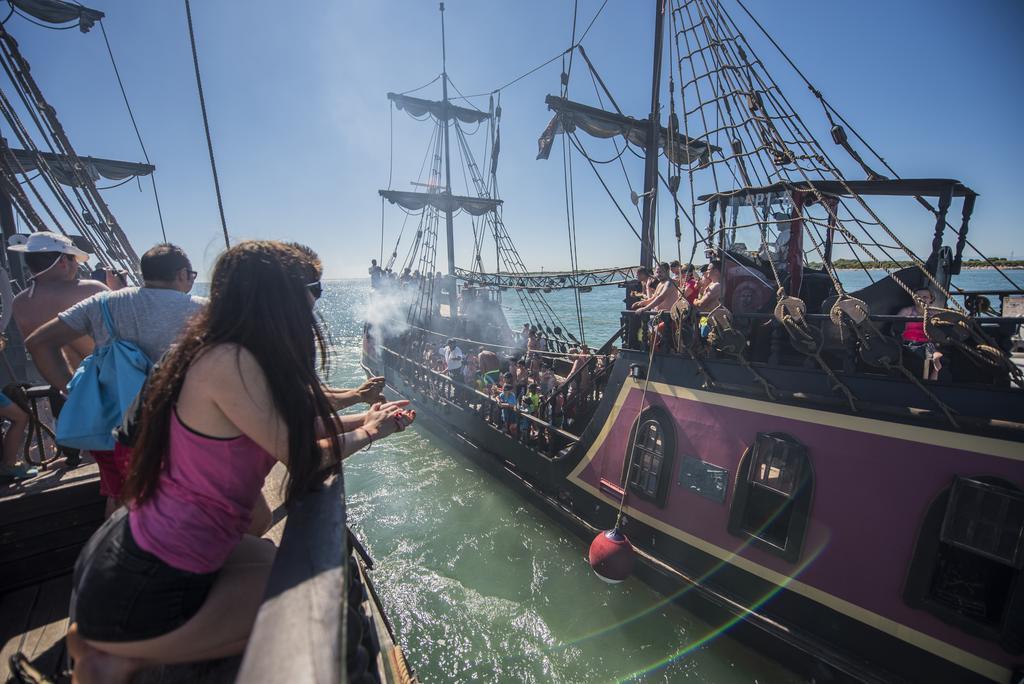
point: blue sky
(296, 98)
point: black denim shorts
(124, 593)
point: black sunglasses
(315, 289)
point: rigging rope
(206, 124)
(106, 235)
(570, 219)
(428, 83)
(636, 436)
(516, 79)
(830, 108)
(131, 115)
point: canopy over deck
(904, 187)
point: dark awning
(59, 12)
(418, 107)
(602, 124)
(414, 201)
(904, 187)
(63, 168)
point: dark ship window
(773, 495)
(986, 520)
(652, 444)
(967, 566)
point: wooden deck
(33, 620)
(45, 521)
(43, 524)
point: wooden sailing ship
(792, 469)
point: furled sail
(571, 115)
(59, 12)
(414, 201)
(63, 168)
(435, 108)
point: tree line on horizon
(1001, 262)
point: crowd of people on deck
(660, 292)
(673, 282)
(513, 384)
(676, 287)
(231, 385)
(382, 278)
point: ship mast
(450, 232)
(650, 195)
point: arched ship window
(772, 496)
(968, 565)
(652, 444)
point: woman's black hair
(259, 302)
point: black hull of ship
(801, 633)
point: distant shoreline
(1001, 267)
(1012, 266)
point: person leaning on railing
(173, 578)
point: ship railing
(637, 334)
(582, 390)
(320, 619)
(442, 388)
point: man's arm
(369, 392)
(45, 347)
(646, 302)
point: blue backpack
(101, 390)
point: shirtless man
(489, 367)
(54, 262)
(583, 380)
(665, 293)
(644, 282)
(711, 289)
(710, 296)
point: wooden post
(945, 199)
(650, 196)
(14, 354)
(965, 219)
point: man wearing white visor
(53, 261)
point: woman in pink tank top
(174, 577)
(914, 336)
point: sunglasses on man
(315, 289)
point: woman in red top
(690, 286)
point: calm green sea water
(484, 588)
